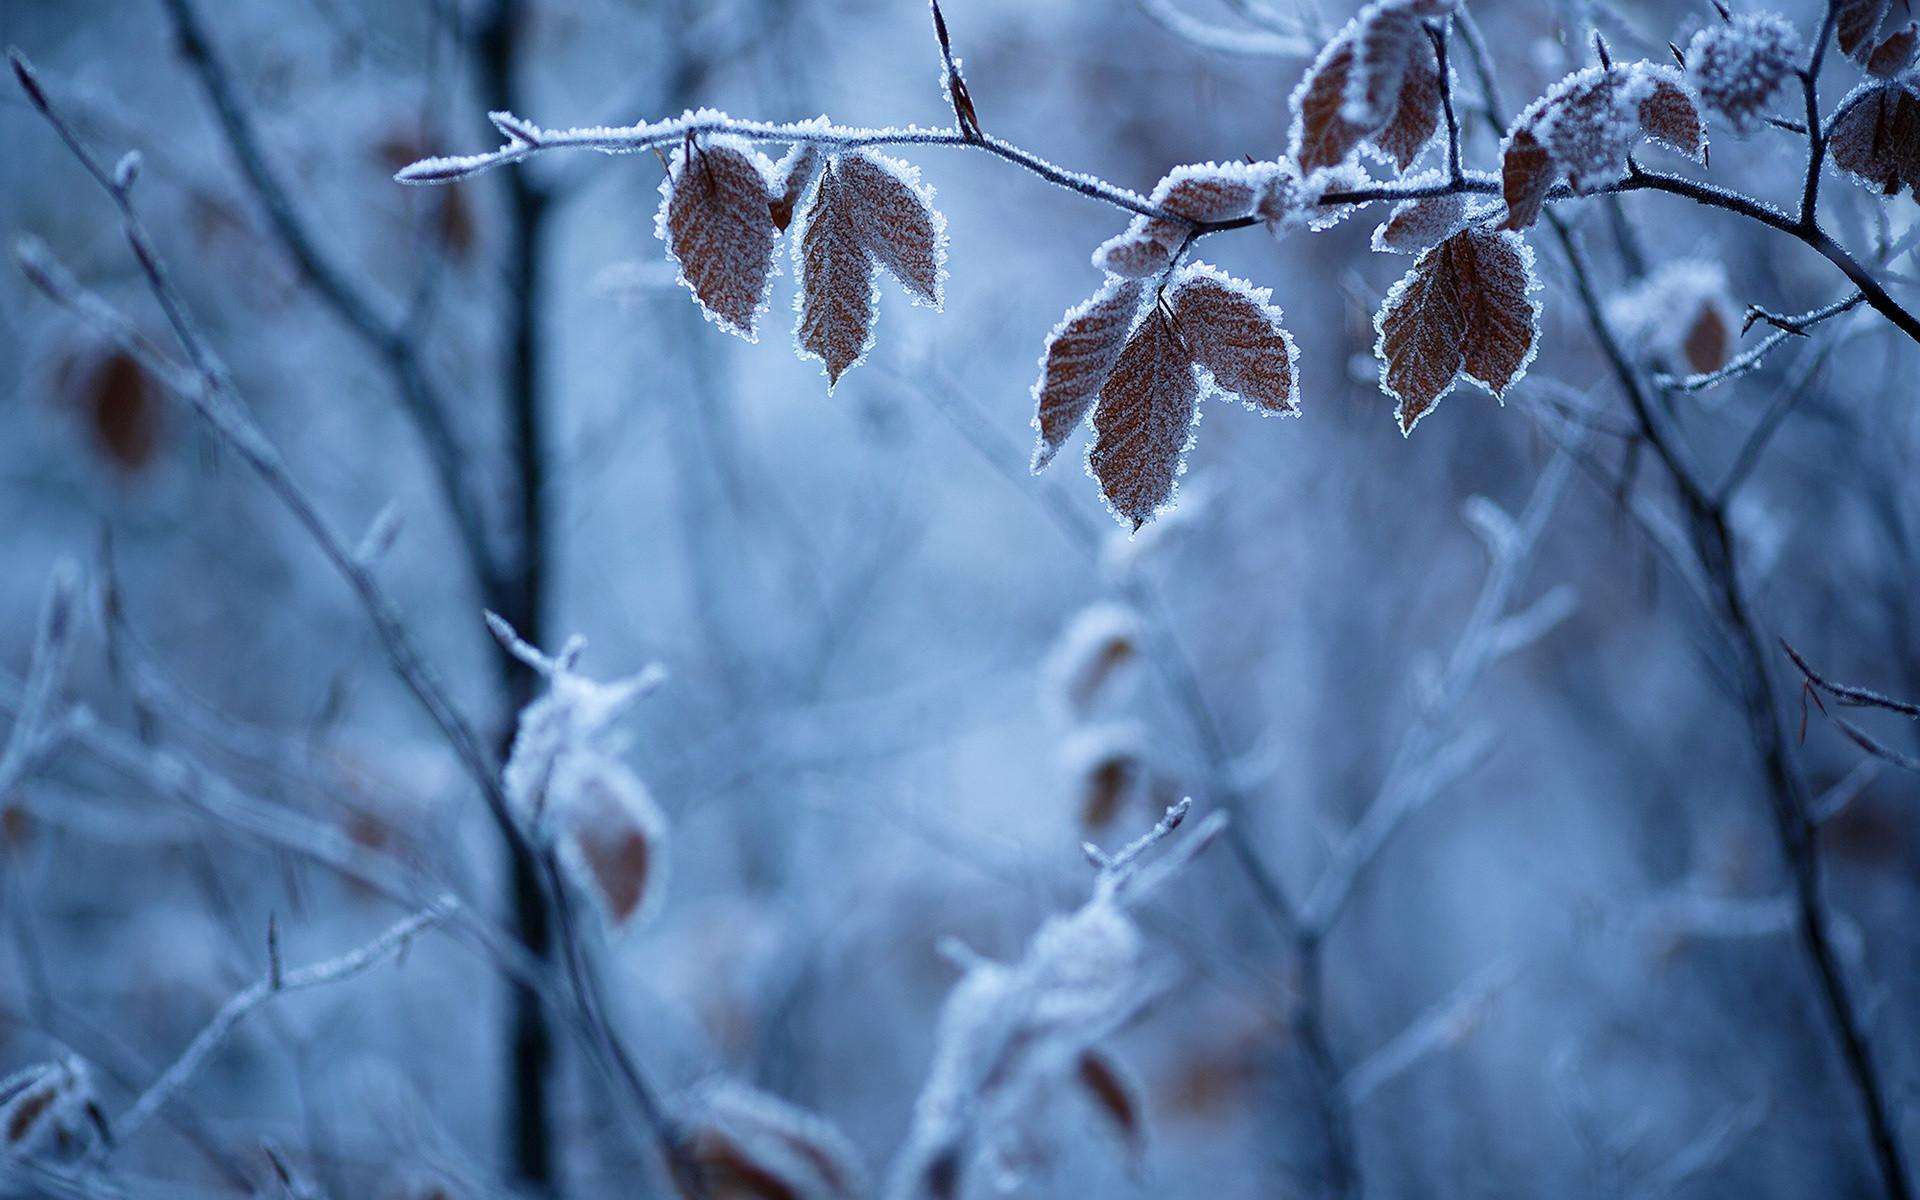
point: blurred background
(908, 679)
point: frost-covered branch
(277, 982)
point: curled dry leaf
(1466, 308)
(755, 1146)
(1091, 658)
(1207, 191)
(795, 174)
(612, 834)
(1582, 129)
(1877, 138)
(1115, 1095)
(1144, 248)
(1236, 337)
(1855, 22)
(1376, 82)
(1143, 423)
(1895, 53)
(48, 1111)
(868, 211)
(1682, 317)
(1416, 224)
(1079, 353)
(715, 220)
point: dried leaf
(1416, 224)
(114, 397)
(1145, 248)
(838, 290)
(1080, 352)
(1207, 191)
(1895, 54)
(1115, 1095)
(715, 219)
(1877, 138)
(1236, 336)
(612, 834)
(1855, 22)
(796, 173)
(1584, 126)
(895, 221)
(1377, 82)
(1466, 308)
(753, 1144)
(1144, 421)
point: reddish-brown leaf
(894, 219)
(1855, 22)
(1080, 352)
(1236, 335)
(1669, 114)
(1895, 53)
(1144, 420)
(1708, 343)
(1322, 137)
(114, 397)
(1877, 139)
(1386, 38)
(1146, 247)
(613, 833)
(1114, 1094)
(1207, 191)
(837, 286)
(1416, 224)
(715, 220)
(1417, 116)
(1466, 308)
(795, 174)
(1376, 81)
(1527, 173)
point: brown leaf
(1417, 116)
(1854, 24)
(1144, 421)
(894, 219)
(1708, 343)
(1669, 114)
(1080, 352)
(1895, 54)
(1416, 224)
(795, 173)
(1527, 173)
(1877, 139)
(837, 286)
(1376, 81)
(1146, 247)
(751, 1144)
(118, 404)
(715, 219)
(1207, 191)
(1236, 335)
(613, 834)
(1115, 1095)
(1322, 137)
(1465, 309)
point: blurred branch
(1749, 360)
(277, 983)
(1439, 1028)
(380, 325)
(1252, 43)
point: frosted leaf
(1467, 308)
(612, 835)
(1286, 202)
(1143, 423)
(1740, 66)
(1235, 335)
(1376, 81)
(750, 1143)
(1105, 766)
(1416, 224)
(1146, 247)
(839, 293)
(1855, 22)
(716, 224)
(1895, 53)
(1207, 191)
(1080, 351)
(49, 1112)
(1682, 317)
(1092, 659)
(1116, 1095)
(895, 221)
(1010, 1033)
(1877, 138)
(793, 175)
(1582, 129)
